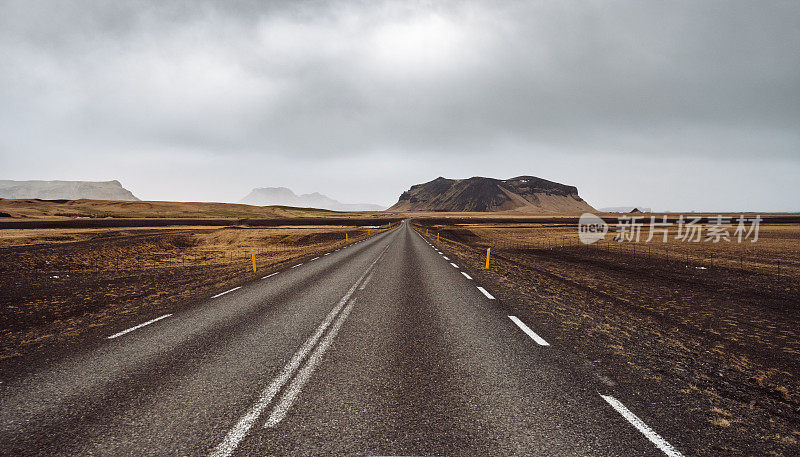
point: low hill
(264, 196)
(527, 194)
(65, 190)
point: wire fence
(696, 258)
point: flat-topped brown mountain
(527, 194)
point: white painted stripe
(466, 275)
(488, 295)
(539, 340)
(240, 429)
(138, 326)
(238, 432)
(454, 265)
(270, 275)
(654, 437)
(327, 253)
(297, 265)
(223, 293)
(299, 381)
(364, 283)
(315, 258)
(445, 257)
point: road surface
(385, 347)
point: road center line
(366, 280)
(539, 340)
(488, 295)
(138, 326)
(654, 437)
(299, 381)
(240, 429)
(466, 275)
(223, 293)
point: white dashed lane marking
(227, 291)
(654, 437)
(488, 295)
(138, 326)
(466, 275)
(539, 340)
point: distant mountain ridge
(625, 209)
(65, 190)
(267, 196)
(527, 194)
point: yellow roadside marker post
(346, 238)
(488, 253)
(253, 255)
(437, 236)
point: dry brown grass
(57, 284)
(49, 209)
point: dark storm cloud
(551, 88)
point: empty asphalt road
(385, 347)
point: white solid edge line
(139, 326)
(488, 295)
(327, 253)
(466, 275)
(223, 293)
(297, 265)
(539, 340)
(454, 265)
(315, 258)
(271, 274)
(654, 437)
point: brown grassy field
(708, 328)
(57, 284)
(65, 209)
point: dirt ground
(707, 334)
(58, 284)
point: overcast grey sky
(676, 105)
